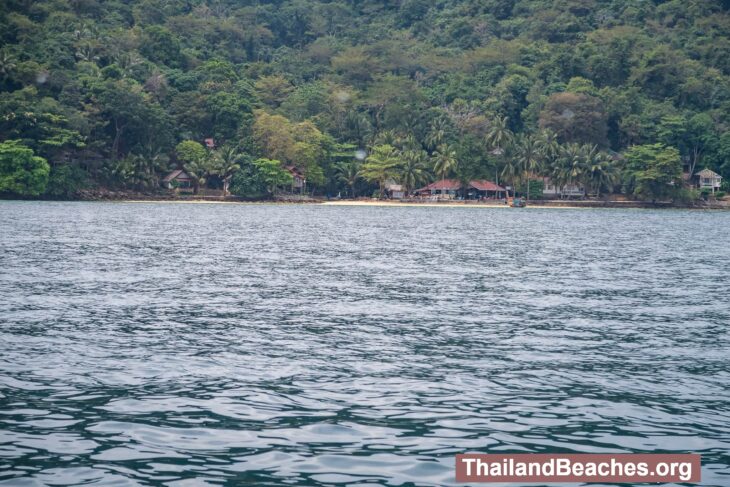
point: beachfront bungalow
(452, 188)
(708, 179)
(442, 189)
(573, 190)
(177, 179)
(394, 191)
(298, 180)
(484, 189)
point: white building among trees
(708, 179)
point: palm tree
(413, 170)
(549, 146)
(348, 173)
(527, 155)
(572, 163)
(437, 134)
(154, 162)
(127, 62)
(386, 137)
(198, 169)
(600, 171)
(226, 162)
(499, 136)
(380, 165)
(511, 172)
(359, 126)
(7, 64)
(408, 143)
(550, 151)
(444, 161)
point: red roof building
(298, 180)
(177, 179)
(475, 189)
(441, 186)
(484, 185)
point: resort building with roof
(482, 188)
(453, 188)
(177, 179)
(708, 179)
(552, 190)
(298, 179)
(393, 190)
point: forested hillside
(619, 94)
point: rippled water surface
(150, 344)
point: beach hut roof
(707, 173)
(441, 185)
(485, 185)
(176, 174)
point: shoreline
(541, 204)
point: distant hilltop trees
(341, 96)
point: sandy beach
(557, 205)
(391, 204)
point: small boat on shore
(518, 203)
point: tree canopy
(107, 89)
(21, 172)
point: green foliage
(42, 124)
(196, 161)
(248, 182)
(272, 174)
(136, 171)
(575, 117)
(348, 173)
(161, 46)
(66, 181)
(225, 163)
(380, 165)
(687, 195)
(97, 84)
(189, 151)
(21, 172)
(653, 171)
(536, 189)
(444, 161)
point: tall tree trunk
(118, 129)
(696, 152)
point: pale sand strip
(391, 204)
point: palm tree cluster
(519, 159)
(586, 165)
(223, 162)
(142, 170)
(139, 170)
(401, 158)
(527, 156)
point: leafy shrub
(536, 187)
(247, 182)
(65, 181)
(21, 172)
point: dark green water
(151, 344)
